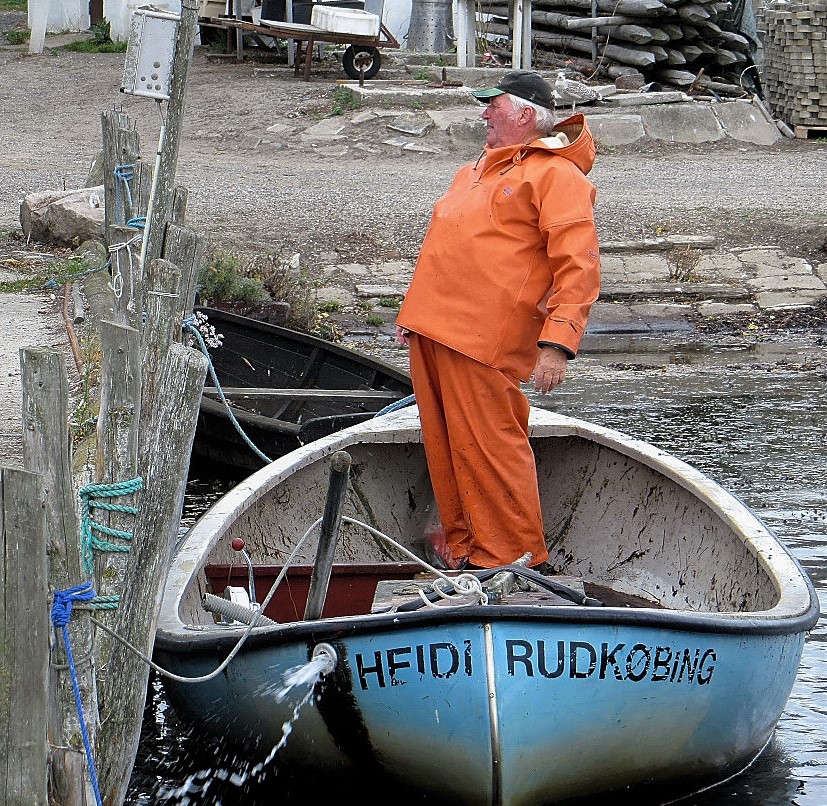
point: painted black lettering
(420, 658)
(608, 658)
(587, 668)
(436, 649)
(707, 667)
(637, 662)
(660, 666)
(519, 652)
(363, 671)
(394, 663)
(467, 655)
(542, 660)
(689, 664)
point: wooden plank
(810, 132)
(24, 639)
(345, 395)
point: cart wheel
(361, 57)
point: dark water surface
(758, 431)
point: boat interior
(620, 532)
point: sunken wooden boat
(658, 656)
(277, 389)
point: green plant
(389, 302)
(330, 306)
(58, 273)
(423, 73)
(222, 279)
(18, 37)
(374, 320)
(90, 46)
(344, 99)
(14, 5)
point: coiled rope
(91, 497)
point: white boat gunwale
(796, 610)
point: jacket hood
(579, 148)
(571, 139)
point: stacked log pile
(670, 41)
(795, 61)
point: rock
(63, 216)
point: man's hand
(550, 369)
(402, 335)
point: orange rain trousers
(475, 432)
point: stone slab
(744, 121)
(617, 130)
(682, 123)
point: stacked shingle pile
(667, 40)
(795, 61)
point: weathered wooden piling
(24, 639)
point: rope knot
(63, 601)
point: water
(757, 427)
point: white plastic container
(345, 20)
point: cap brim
(487, 94)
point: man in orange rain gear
(506, 276)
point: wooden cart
(360, 61)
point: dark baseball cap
(524, 84)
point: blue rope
(61, 613)
(88, 497)
(397, 404)
(139, 222)
(189, 325)
(123, 174)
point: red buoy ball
(238, 544)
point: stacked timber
(670, 41)
(795, 61)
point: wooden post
(125, 268)
(169, 434)
(331, 523)
(185, 249)
(121, 147)
(162, 328)
(24, 640)
(46, 452)
(168, 158)
(117, 442)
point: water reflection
(756, 427)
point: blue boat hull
(549, 711)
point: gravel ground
(260, 183)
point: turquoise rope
(189, 325)
(89, 498)
(397, 404)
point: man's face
(506, 126)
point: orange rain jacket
(511, 260)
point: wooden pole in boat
(331, 523)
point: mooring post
(24, 639)
(166, 444)
(46, 451)
(331, 524)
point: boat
(275, 388)
(656, 657)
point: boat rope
(396, 405)
(61, 613)
(463, 584)
(189, 325)
(91, 498)
(242, 639)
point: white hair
(543, 117)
